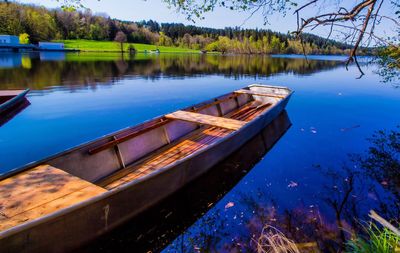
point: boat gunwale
(26, 225)
(9, 103)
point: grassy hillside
(111, 46)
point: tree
(354, 21)
(223, 44)
(24, 38)
(164, 40)
(275, 45)
(121, 38)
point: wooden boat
(56, 204)
(9, 99)
(175, 214)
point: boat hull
(9, 105)
(69, 228)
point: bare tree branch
(343, 15)
(360, 37)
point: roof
(7, 35)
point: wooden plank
(255, 93)
(206, 120)
(52, 206)
(36, 187)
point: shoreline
(115, 47)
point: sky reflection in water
(300, 184)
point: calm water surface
(318, 177)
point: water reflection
(10, 60)
(14, 111)
(41, 70)
(345, 196)
(381, 162)
(302, 186)
(52, 56)
(158, 227)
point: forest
(35, 23)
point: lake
(323, 173)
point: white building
(9, 39)
(51, 46)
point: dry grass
(384, 222)
(272, 240)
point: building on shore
(51, 46)
(9, 39)
(10, 43)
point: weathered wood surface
(39, 191)
(255, 93)
(204, 119)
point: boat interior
(112, 161)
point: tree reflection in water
(382, 162)
(369, 181)
(86, 69)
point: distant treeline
(106, 69)
(42, 24)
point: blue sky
(135, 10)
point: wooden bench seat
(204, 119)
(40, 191)
(255, 93)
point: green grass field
(111, 46)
